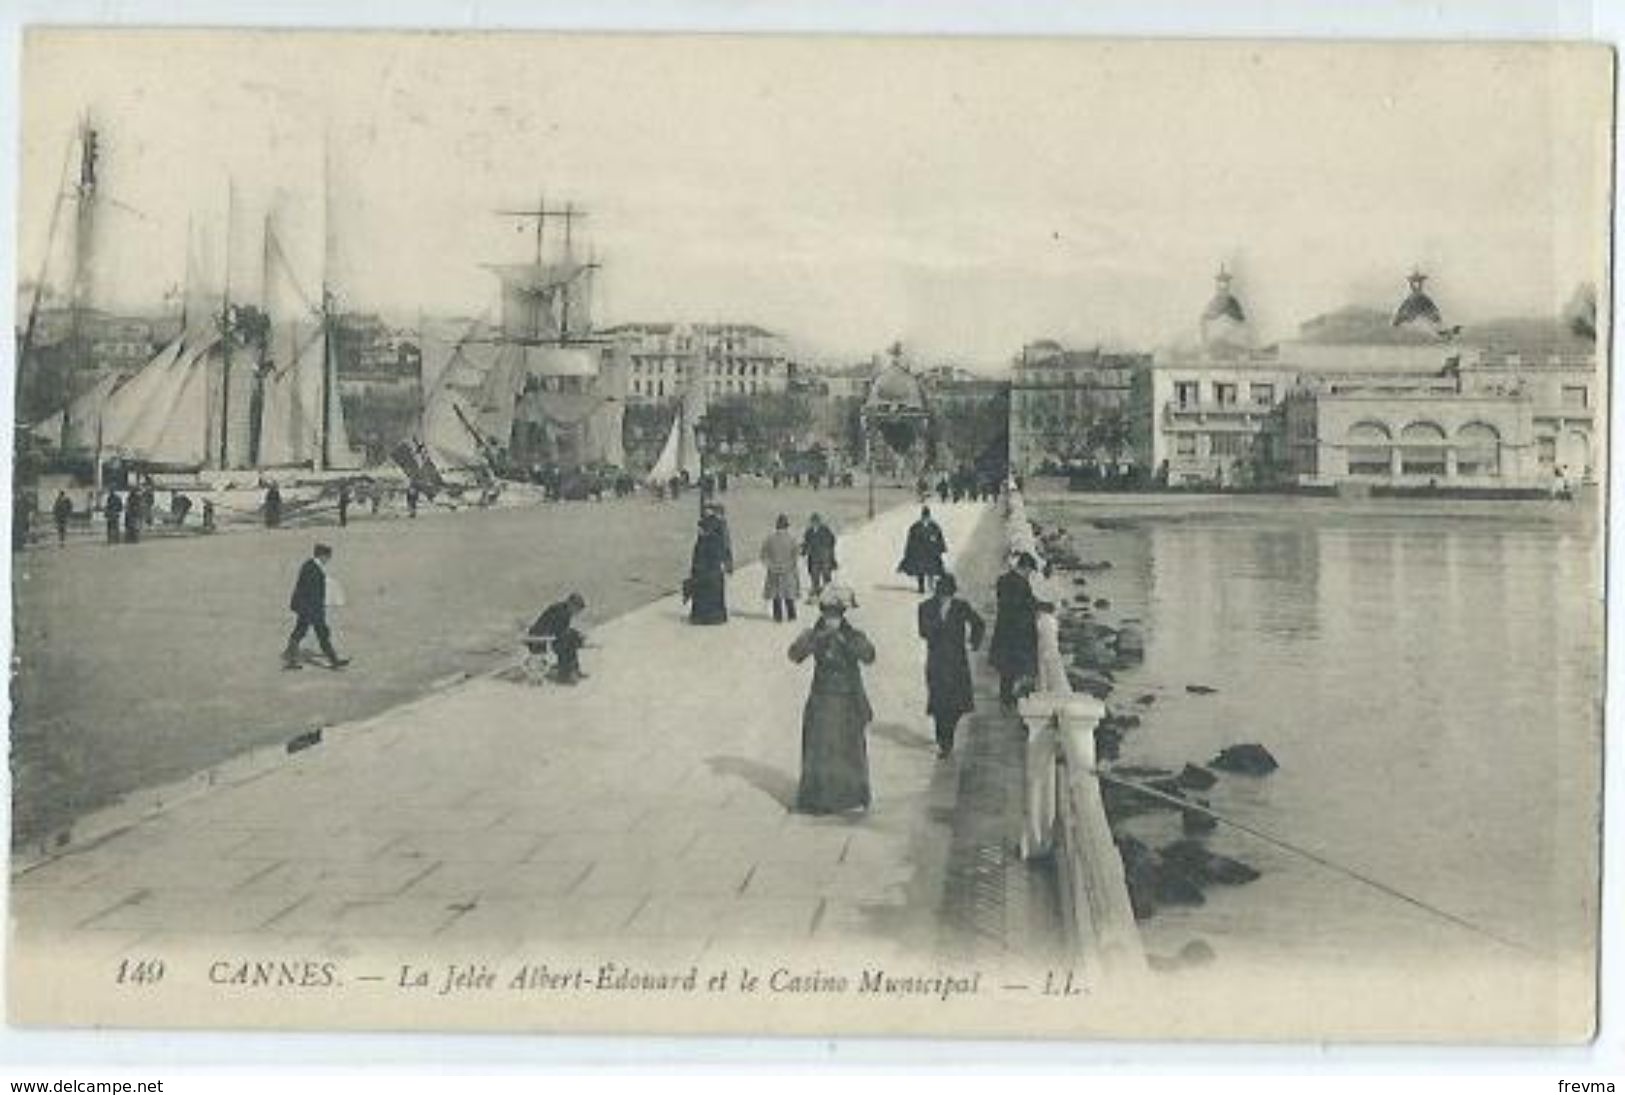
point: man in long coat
(309, 605)
(113, 512)
(61, 513)
(781, 583)
(818, 545)
(1014, 647)
(924, 549)
(947, 623)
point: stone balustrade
(1065, 817)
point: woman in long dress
(834, 753)
(708, 573)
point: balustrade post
(1101, 903)
(1043, 750)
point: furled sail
(83, 418)
(301, 415)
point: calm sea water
(1430, 685)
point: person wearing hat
(707, 585)
(834, 753)
(311, 596)
(1013, 650)
(781, 583)
(924, 549)
(947, 623)
(557, 622)
(818, 545)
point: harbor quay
(647, 810)
(144, 664)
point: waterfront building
(1077, 407)
(1374, 397)
(1217, 406)
(726, 359)
(1513, 405)
(971, 414)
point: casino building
(1364, 397)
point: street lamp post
(869, 459)
(702, 431)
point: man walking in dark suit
(309, 604)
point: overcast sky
(966, 197)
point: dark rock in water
(1108, 743)
(1196, 779)
(1250, 759)
(1098, 689)
(1177, 889)
(1089, 683)
(1140, 772)
(1125, 802)
(1188, 855)
(1079, 580)
(1140, 874)
(1130, 642)
(1168, 785)
(1102, 603)
(1192, 859)
(1196, 953)
(1200, 689)
(1094, 567)
(1121, 722)
(1145, 700)
(1195, 823)
(1230, 872)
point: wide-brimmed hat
(838, 597)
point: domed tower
(1224, 321)
(1417, 311)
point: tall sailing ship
(536, 393)
(239, 387)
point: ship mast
(225, 330)
(540, 295)
(324, 457)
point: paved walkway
(647, 807)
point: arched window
(1478, 450)
(1574, 453)
(1370, 449)
(1422, 447)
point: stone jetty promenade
(646, 808)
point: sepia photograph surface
(954, 537)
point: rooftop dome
(1418, 308)
(1224, 321)
(896, 386)
(1224, 304)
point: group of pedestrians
(834, 751)
(712, 561)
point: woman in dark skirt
(947, 624)
(708, 573)
(834, 754)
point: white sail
(669, 463)
(681, 453)
(181, 434)
(83, 418)
(301, 414)
(140, 408)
